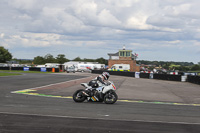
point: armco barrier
(30, 69)
(193, 79)
(167, 77)
(16, 68)
(145, 75)
(119, 73)
(142, 75)
(4, 68)
(98, 71)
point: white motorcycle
(96, 93)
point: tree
(77, 59)
(61, 59)
(174, 67)
(23, 61)
(49, 58)
(5, 55)
(102, 61)
(39, 60)
(166, 65)
(88, 60)
(195, 67)
(183, 68)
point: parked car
(70, 69)
(85, 70)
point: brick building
(123, 57)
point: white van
(70, 69)
(120, 67)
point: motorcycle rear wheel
(110, 97)
(78, 96)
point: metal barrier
(29, 69)
(193, 79)
(119, 73)
(142, 75)
(145, 75)
(4, 68)
(167, 77)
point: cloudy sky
(162, 30)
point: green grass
(17, 72)
(9, 74)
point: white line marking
(74, 117)
(50, 85)
(130, 101)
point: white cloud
(138, 22)
(122, 3)
(107, 24)
(105, 18)
(23, 4)
(2, 35)
(174, 42)
(32, 40)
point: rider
(99, 81)
(103, 78)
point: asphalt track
(50, 109)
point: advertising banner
(26, 68)
(151, 76)
(43, 69)
(137, 74)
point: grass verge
(9, 74)
(20, 71)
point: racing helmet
(106, 75)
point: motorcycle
(96, 93)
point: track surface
(26, 113)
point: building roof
(111, 54)
(117, 54)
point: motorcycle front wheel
(110, 97)
(78, 96)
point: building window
(128, 54)
(125, 53)
(122, 54)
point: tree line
(5, 56)
(162, 63)
(171, 65)
(62, 59)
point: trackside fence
(30, 69)
(192, 79)
(167, 77)
(119, 73)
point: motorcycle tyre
(82, 99)
(110, 102)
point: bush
(195, 67)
